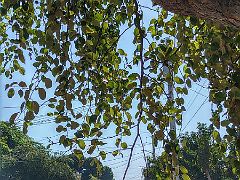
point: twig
(146, 7)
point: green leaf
(185, 177)
(129, 116)
(185, 91)
(189, 83)
(60, 128)
(231, 131)
(103, 155)
(225, 123)
(184, 143)
(159, 135)
(115, 153)
(220, 96)
(11, 92)
(183, 170)
(178, 80)
(89, 30)
(93, 118)
(69, 98)
(216, 135)
(150, 128)
(91, 149)
(13, 118)
(122, 52)
(105, 25)
(124, 145)
(81, 144)
(78, 153)
(25, 127)
(74, 125)
(118, 140)
(133, 76)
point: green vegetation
(23, 159)
(199, 158)
(74, 51)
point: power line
(84, 109)
(125, 161)
(134, 177)
(194, 114)
(123, 158)
(9, 107)
(198, 93)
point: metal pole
(172, 125)
(153, 149)
(171, 98)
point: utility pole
(172, 126)
(171, 98)
(153, 149)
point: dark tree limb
(224, 12)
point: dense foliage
(199, 158)
(90, 168)
(22, 158)
(73, 48)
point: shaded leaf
(11, 92)
(13, 118)
(42, 93)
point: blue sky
(198, 109)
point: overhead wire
(198, 93)
(9, 107)
(194, 114)
(45, 119)
(194, 99)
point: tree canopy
(199, 158)
(23, 158)
(73, 49)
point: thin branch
(146, 7)
(137, 24)
(131, 153)
(143, 149)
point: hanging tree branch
(141, 37)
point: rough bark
(225, 12)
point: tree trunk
(225, 12)
(208, 175)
